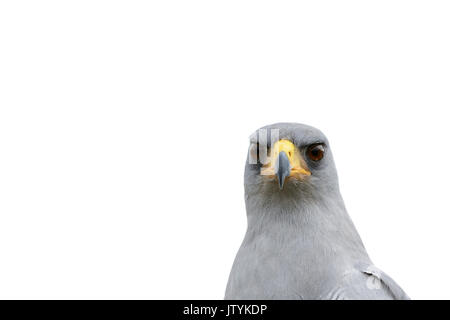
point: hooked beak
(285, 161)
(282, 168)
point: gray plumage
(300, 242)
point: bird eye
(315, 152)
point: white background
(124, 127)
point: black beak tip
(281, 182)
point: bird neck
(323, 220)
(288, 207)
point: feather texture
(300, 242)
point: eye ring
(315, 152)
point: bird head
(290, 159)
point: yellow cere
(298, 165)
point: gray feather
(300, 242)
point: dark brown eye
(315, 152)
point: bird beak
(285, 161)
(282, 168)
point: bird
(300, 243)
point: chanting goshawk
(300, 242)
